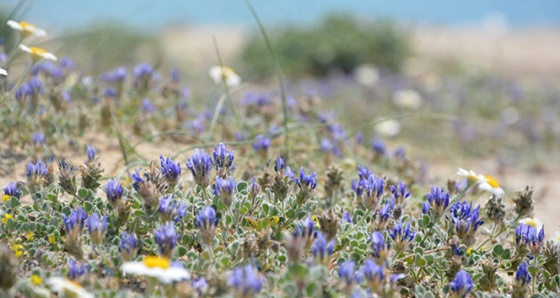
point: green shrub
(339, 42)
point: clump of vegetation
(338, 43)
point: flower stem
(356, 225)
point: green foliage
(339, 42)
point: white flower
(67, 288)
(37, 53)
(533, 222)
(485, 182)
(3, 72)
(26, 28)
(556, 238)
(219, 74)
(366, 74)
(158, 267)
(388, 128)
(408, 99)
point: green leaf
(88, 206)
(498, 250)
(311, 289)
(242, 185)
(265, 208)
(420, 261)
(181, 250)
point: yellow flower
(469, 251)
(3, 72)
(6, 217)
(37, 53)
(6, 198)
(158, 267)
(26, 28)
(36, 279)
(52, 239)
(17, 249)
(29, 236)
(221, 74)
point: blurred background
(471, 84)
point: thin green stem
(279, 74)
(356, 225)
(492, 236)
(19, 83)
(425, 253)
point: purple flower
(401, 235)
(12, 190)
(224, 189)
(438, 200)
(222, 158)
(346, 271)
(36, 170)
(116, 75)
(346, 217)
(399, 192)
(148, 106)
(38, 139)
(522, 274)
(171, 210)
(170, 170)
(128, 246)
(379, 147)
(142, 71)
(97, 227)
(462, 285)
(75, 221)
(261, 145)
(377, 244)
(306, 182)
(75, 270)
(530, 236)
(246, 281)
(465, 218)
(114, 191)
(166, 238)
(206, 222)
(322, 250)
(279, 164)
(373, 274)
(200, 165)
(386, 210)
(90, 153)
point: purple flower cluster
(401, 235)
(114, 191)
(465, 218)
(322, 249)
(246, 281)
(368, 189)
(166, 238)
(223, 159)
(128, 246)
(97, 227)
(171, 210)
(75, 222)
(170, 170)
(462, 285)
(530, 236)
(12, 190)
(224, 189)
(437, 202)
(200, 165)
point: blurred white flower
(485, 182)
(37, 53)
(158, 267)
(408, 99)
(366, 74)
(220, 74)
(556, 238)
(388, 128)
(3, 72)
(26, 28)
(66, 288)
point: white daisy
(533, 222)
(556, 238)
(26, 28)
(37, 53)
(408, 99)
(219, 74)
(3, 72)
(366, 74)
(67, 288)
(485, 182)
(388, 128)
(158, 267)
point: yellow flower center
(6, 198)
(29, 236)
(155, 261)
(26, 26)
(6, 217)
(36, 279)
(37, 51)
(227, 72)
(492, 181)
(531, 222)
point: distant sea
(155, 14)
